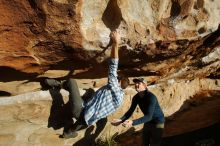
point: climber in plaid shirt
(107, 99)
(104, 101)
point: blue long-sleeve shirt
(150, 107)
(106, 99)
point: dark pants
(151, 135)
(75, 99)
(76, 102)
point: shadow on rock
(89, 137)
(61, 117)
(60, 112)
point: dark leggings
(76, 102)
(74, 98)
(151, 135)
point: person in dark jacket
(153, 118)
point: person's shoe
(52, 83)
(70, 134)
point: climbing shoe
(70, 134)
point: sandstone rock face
(174, 44)
(36, 35)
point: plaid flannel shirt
(106, 99)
